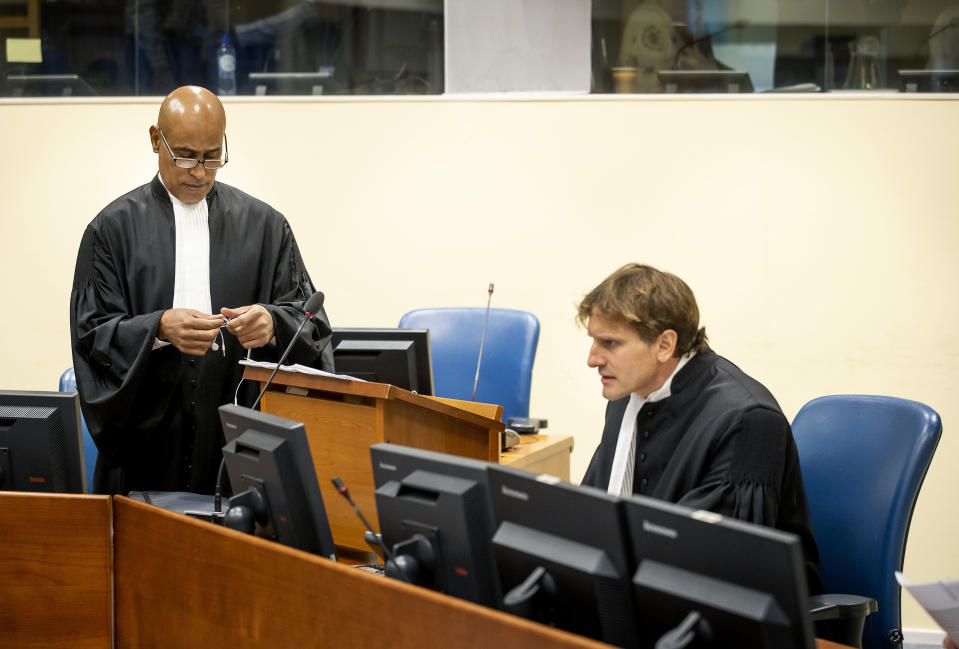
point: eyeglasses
(189, 163)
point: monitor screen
(929, 80)
(691, 81)
(291, 83)
(41, 442)
(400, 357)
(742, 585)
(436, 520)
(276, 492)
(49, 85)
(562, 555)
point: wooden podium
(344, 418)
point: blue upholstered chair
(506, 371)
(68, 383)
(863, 460)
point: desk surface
(541, 454)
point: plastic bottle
(225, 67)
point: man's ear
(155, 139)
(666, 345)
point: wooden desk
(185, 583)
(180, 582)
(56, 573)
(541, 454)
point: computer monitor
(400, 357)
(277, 495)
(436, 520)
(733, 583)
(292, 83)
(562, 555)
(929, 80)
(692, 81)
(49, 85)
(41, 442)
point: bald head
(191, 105)
(191, 124)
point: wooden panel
(55, 571)
(185, 583)
(489, 410)
(340, 435)
(326, 387)
(411, 426)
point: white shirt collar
(666, 389)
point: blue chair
(863, 461)
(68, 383)
(506, 371)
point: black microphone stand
(314, 304)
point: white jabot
(191, 283)
(624, 459)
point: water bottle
(225, 68)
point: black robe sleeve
(111, 344)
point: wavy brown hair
(651, 301)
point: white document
(940, 599)
(299, 369)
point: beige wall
(819, 234)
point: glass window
(149, 47)
(656, 46)
(369, 47)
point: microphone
(739, 24)
(313, 305)
(482, 341)
(371, 537)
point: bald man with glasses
(175, 282)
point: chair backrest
(506, 371)
(68, 383)
(863, 460)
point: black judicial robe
(153, 412)
(719, 442)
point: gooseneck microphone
(739, 24)
(371, 537)
(482, 341)
(312, 306)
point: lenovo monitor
(716, 581)
(400, 357)
(562, 555)
(436, 521)
(276, 492)
(41, 442)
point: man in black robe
(684, 424)
(175, 282)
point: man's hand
(252, 325)
(190, 331)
